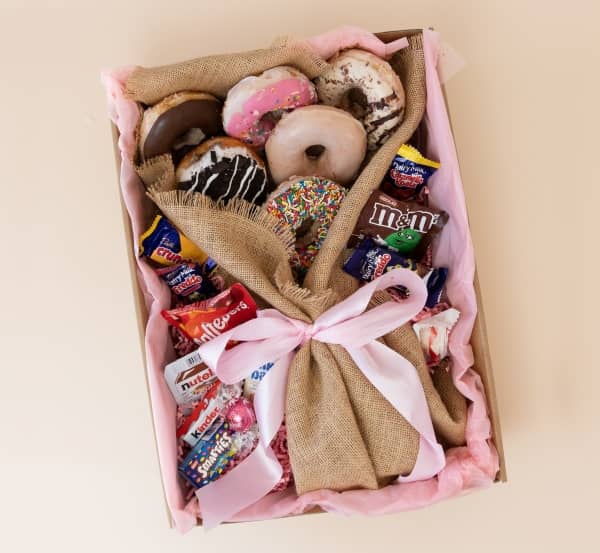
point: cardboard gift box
(124, 113)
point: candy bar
(433, 333)
(163, 243)
(209, 458)
(202, 417)
(408, 174)
(369, 261)
(251, 382)
(187, 378)
(401, 225)
(190, 281)
(205, 320)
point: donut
(302, 202)
(183, 118)
(255, 104)
(368, 87)
(316, 140)
(223, 168)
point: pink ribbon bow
(273, 337)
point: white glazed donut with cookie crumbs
(367, 87)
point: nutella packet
(188, 378)
(163, 243)
(406, 227)
(202, 321)
(408, 174)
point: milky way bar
(187, 378)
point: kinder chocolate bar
(433, 333)
(163, 243)
(187, 378)
(190, 281)
(401, 225)
(369, 261)
(209, 458)
(200, 428)
(208, 397)
(408, 173)
(202, 321)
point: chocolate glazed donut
(182, 119)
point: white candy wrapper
(433, 333)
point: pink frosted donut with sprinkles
(255, 104)
(302, 202)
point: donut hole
(355, 101)
(315, 151)
(192, 137)
(306, 232)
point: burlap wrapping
(217, 74)
(342, 433)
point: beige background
(78, 469)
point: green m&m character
(404, 241)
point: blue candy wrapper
(210, 457)
(408, 174)
(370, 260)
(190, 281)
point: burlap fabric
(217, 74)
(342, 433)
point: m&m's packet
(163, 243)
(204, 320)
(404, 226)
(408, 173)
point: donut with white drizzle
(224, 168)
(366, 86)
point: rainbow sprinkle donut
(303, 199)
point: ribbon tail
(258, 473)
(397, 380)
(242, 486)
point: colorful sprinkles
(315, 199)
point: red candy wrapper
(241, 415)
(204, 414)
(433, 333)
(204, 320)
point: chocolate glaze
(176, 121)
(237, 177)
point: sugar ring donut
(368, 88)
(301, 200)
(317, 140)
(255, 104)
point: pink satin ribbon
(273, 337)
